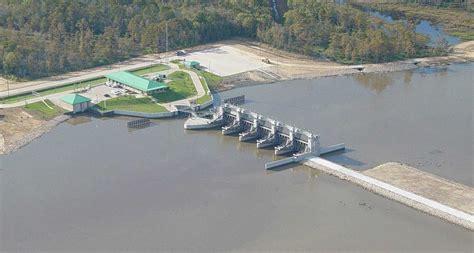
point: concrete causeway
(387, 190)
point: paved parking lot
(226, 60)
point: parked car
(116, 92)
(107, 95)
(159, 77)
(180, 52)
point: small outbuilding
(192, 64)
(76, 103)
(136, 83)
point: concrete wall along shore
(135, 114)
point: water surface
(99, 186)
(434, 32)
(422, 118)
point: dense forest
(41, 38)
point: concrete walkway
(197, 85)
(421, 203)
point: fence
(139, 123)
(235, 100)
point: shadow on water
(341, 158)
(376, 82)
(283, 167)
(296, 168)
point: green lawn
(180, 87)
(130, 103)
(151, 69)
(203, 99)
(42, 111)
(73, 86)
(212, 80)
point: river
(434, 32)
(98, 186)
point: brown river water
(97, 186)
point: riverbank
(288, 66)
(239, 61)
(18, 128)
(281, 66)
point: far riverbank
(283, 66)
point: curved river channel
(92, 185)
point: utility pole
(8, 88)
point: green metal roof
(191, 63)
(74, 99)
(135, 81)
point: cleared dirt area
(465, 49)
(449, 193)
(226, 60)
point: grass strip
(40, 110)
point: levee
(390, 191)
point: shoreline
(33, 135)
(287, 66)
(246, 79)
(252, 78)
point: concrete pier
(387, 190)
(252, 134)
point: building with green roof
(192, 64)
(76, 103)
(135, 83)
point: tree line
(347, 34)
(47, 37)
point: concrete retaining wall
(136, 114)
(204, 105)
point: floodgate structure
(267, 132)
(305, 148)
